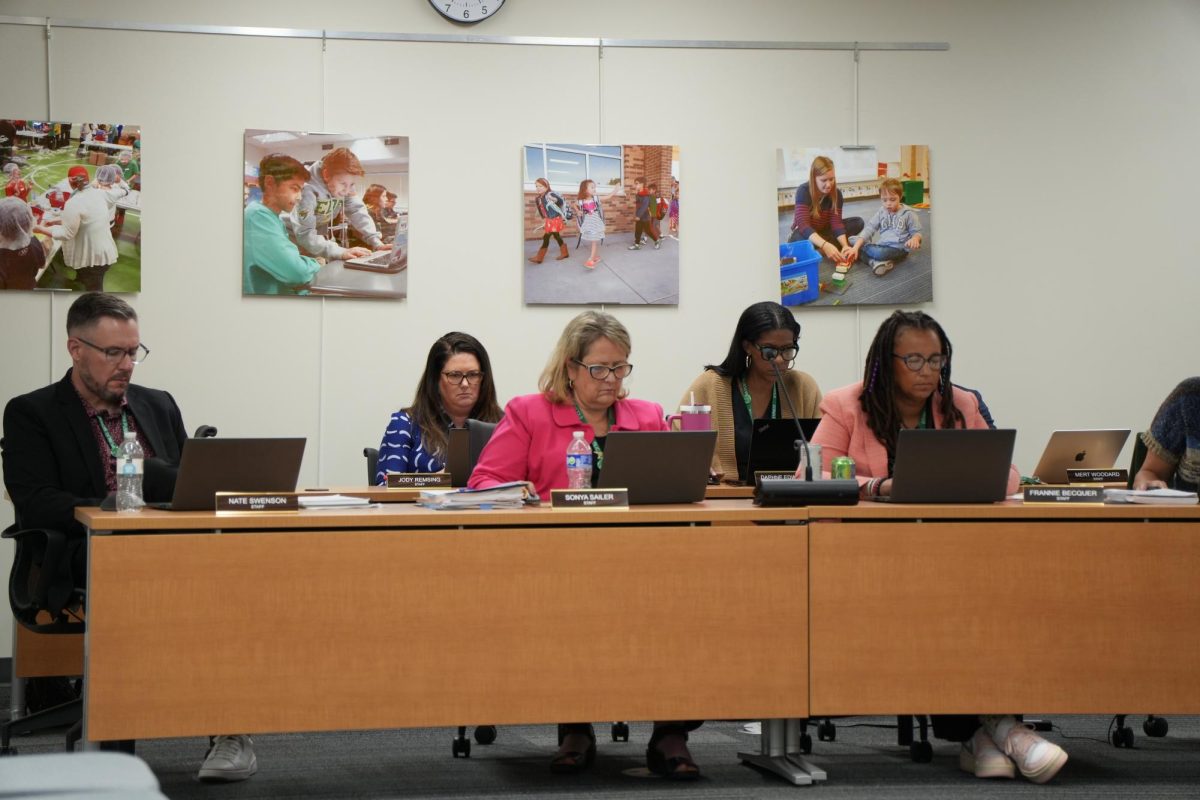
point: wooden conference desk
(1004, 609)
(404, 617)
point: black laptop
(463, 449)
(658, 466)
(952, 465)
(209, 466)
(773, 445)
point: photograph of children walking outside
(854, 225)
(324, 215)
(601, 224)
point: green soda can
(842, 468)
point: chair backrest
(372, 456)
(42, 580)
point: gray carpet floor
(863, 762)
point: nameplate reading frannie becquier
(1064, 494)
(1097, 476)
(589, 498)
(418, 480)
(245, 501)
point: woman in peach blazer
(906, 384)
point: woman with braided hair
(906, 384)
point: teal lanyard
(597, 450)
(112, 446)
(750, 406)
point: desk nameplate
(257, 501)
(419, 480)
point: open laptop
(209, 466)
(463, 449)
(773, 444)
(952, 465)
(658, 466)
(1082, 449)
(388, 261)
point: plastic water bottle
(579, 462)
(130, 464)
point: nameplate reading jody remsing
(257, 501)
(1097, 476)
(1064, 494)
(419, 480)
(589, 498)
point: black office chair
(372, 456)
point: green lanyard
(113, 447)
(923, 422)
(597, 450)
(750, 407)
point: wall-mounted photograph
(601, 223)
(854, 225)
(325, 214)
(71, 213)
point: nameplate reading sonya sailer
(1064, 494)
(1097, 476)
(419, 480)
(589, 498)
(257, 501)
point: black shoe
(568, 761)
(675, 768)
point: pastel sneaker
(981, 757)
(1038, 759)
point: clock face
(466, 11)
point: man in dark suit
(61, 442)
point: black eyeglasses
(456, 378)
(599, 371)
(770, 352)
(916, 362)
(115, 355)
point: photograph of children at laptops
(854, 225)
(592, 226)
(342, 214)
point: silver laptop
(658, 466)
(952, 465)
(393, 260)
(463, 449)
(209, 466)
(1083, 449)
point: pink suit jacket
(530, 443)
(844, 432)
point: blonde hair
(579, 335)
(820, 166)
(891, 186)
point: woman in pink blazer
(581, 390)
(906, 384)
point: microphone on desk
(801, 492)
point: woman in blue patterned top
(457, 385)
(1173, 442)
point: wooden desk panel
(40, 655)
(327, 630)
(1005, 617)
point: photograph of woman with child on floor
(325, 215)
(601, 223)
(70, 217)
(854, 225)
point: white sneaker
(231, 758)
(981, 757)
(1038, 760)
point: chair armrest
(42, 578)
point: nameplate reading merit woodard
(419, 480)
(257, 501)
(589, 498)
(1098, 476)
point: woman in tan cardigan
(742, 388)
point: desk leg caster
(460, 746)
(826, 731)
(620, 731)
(1122, 735)
(485, 734)
(779, 752)
(1156, 727)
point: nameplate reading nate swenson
(589, 498)
(257, 501)
(418, 480)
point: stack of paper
(504, 495)
(1167, 497)
(331, 501)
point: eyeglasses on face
(916, 362)
(473, 378)
(600, 371)
(770, 352)
(115, 355)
